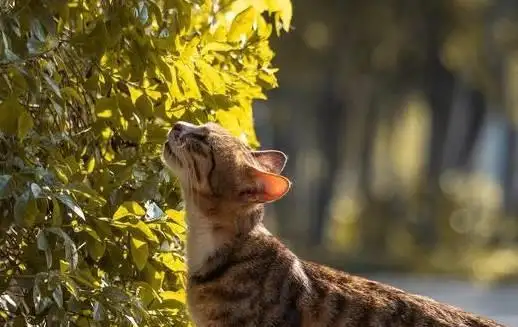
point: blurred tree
(368, 58)
(91, 231)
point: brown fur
(240, 275)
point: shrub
(91, 229)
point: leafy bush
(91, 230)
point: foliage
(91, 230)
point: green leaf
(129, 208)
(83, 191)
(171, 299)
(144, 106)
(53, 85)
(5, 183)
(69, 202)
(98, 311)
(10, 110)
(25, 124)
(37, 298)
(125, 105)
(71, 93)
(57, 295)
(37, 30)
(43, 245)
(146, 293)
(25, 209)
(71, 253)
(57, 218)
(139, 252)
(85, 277)
(70, 285)
(41, 240)
(96, 249)
(70, 247)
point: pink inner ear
(274, 186)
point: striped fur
(241, 275)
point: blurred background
(400, 120)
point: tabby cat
(240, 275)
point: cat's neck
(205, 237)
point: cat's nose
(181, 128)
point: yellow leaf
(135, 93)
(139, 252)
(175, 215)
(173, 295)
(187, 81)
(174, 86)
(210, 78)
(155, 95)
(106, 107)
(154, 277)
(144, 231)
(190, 49)
(90, 165)
(285, 12)
(85, 277)
(129, 208)
(217, 46)
(242, 25)
(172, 262)
(239, 122)
(64, 266)
(171, 300)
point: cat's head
(213, 165)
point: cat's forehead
(216, 128)
(224, 137)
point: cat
(240, 275)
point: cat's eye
(199, 137)
(247, 192)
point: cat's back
(261, 283)
(340, 299)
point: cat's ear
(272, 160)
(269, 187)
